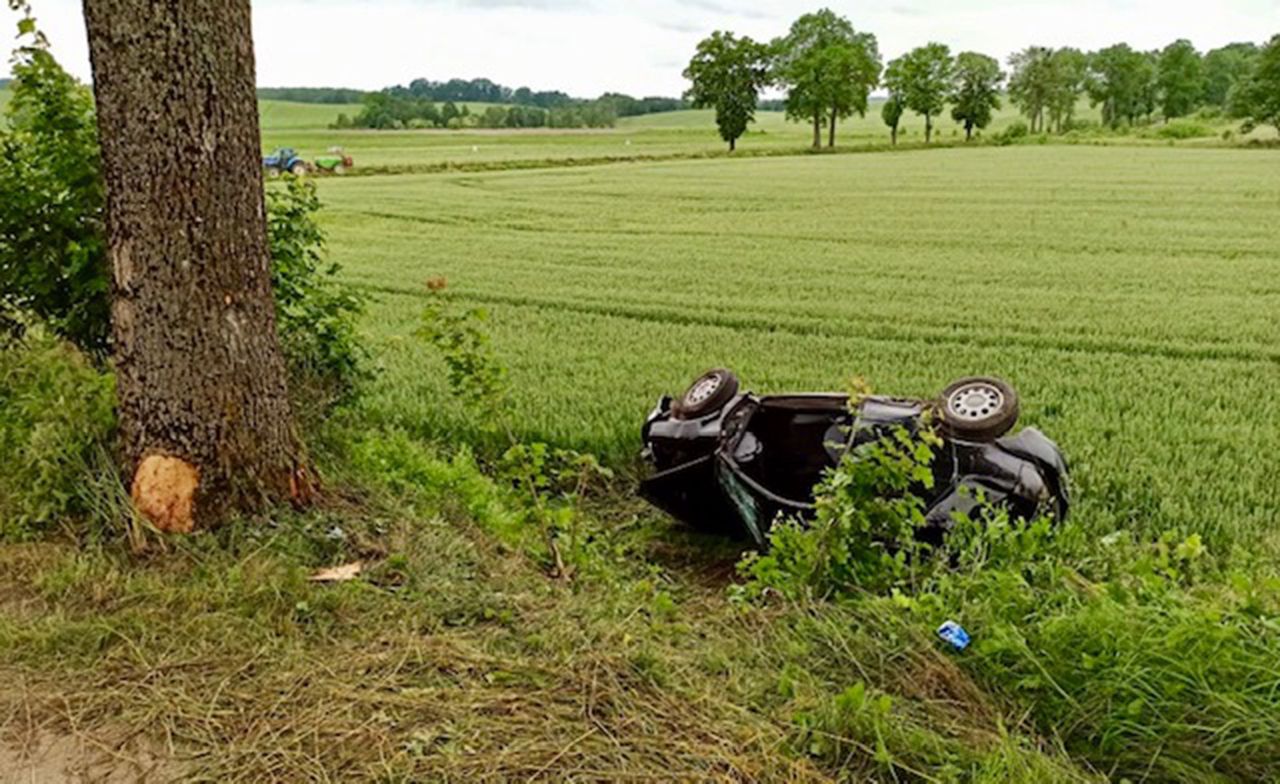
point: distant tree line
(325, 95)
(828, 70)
(429, 104)
(387, 110)
(626, 106)
(1133, 86)
(4, 83)
(487, 91)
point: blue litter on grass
(954, 634)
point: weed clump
(1012, 133)
(863, 535)
(1184, 129)
(550, 482)
(56, 435)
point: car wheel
(978, 408)
(708, 393)
(298, 169)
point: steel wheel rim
(703, 389)
(975, 402)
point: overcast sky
(586, 47)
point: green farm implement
(335, 162)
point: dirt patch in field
(50, 758)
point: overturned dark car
(733, 462)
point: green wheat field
(1130, 294)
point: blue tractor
(284, 160)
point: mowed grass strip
(1130, 294)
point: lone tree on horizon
(728, 73)
(1122, 81)
(925, 75)
(206, 426)
(828, 68)
(977, 91)
(893, 108)
(1180, 79)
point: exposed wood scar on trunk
(164, 492)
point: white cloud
(586, 47)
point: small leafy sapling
(476, 377)
(863, 532)
(551, 482)
(554, 481)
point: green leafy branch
(551, 482)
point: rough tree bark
(205, 421)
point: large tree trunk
(817, 130)
(831, 137)
(205, 422)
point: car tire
(978, 408)
(298, 169)
(708, 393)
